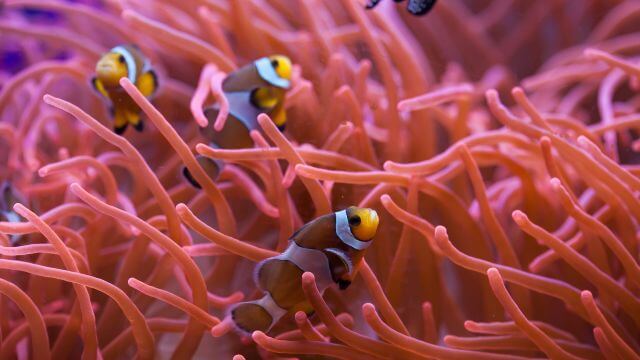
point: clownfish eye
(121, 59)
(282, 65)
(354, 220)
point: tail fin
(257, 315)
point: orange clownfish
(331, 247)
(415, 7)
(124, 61)
(259, 87)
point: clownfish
(331, 247)
(415, 7)
(124, 61)
(10, 196)
(259, 87)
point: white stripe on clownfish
(343, 230)
(307, 260)
(269, 74)
(132, 71)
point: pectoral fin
(133, 118)
(148, 83)
(120, 121)
(279, 118)
(97, 84)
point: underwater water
(183, 197)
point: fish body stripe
(310, 260)
(270, 306)
(132, 71)
(268, 73)
(343, 230)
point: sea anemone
(495, 139)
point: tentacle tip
(236, 296)
(300, 168)
(300, 316)
(75, 188)
(385, 199)
(441, 231)
(48, 99)
(308, 277)
(491, 94)
(200, 147)
(555, 183)
(468, 324)
(517, 91)
(133, 282)
(238, 357)
(583, 141)
(341, 90)
(493, 272)
(258, 336)
(388, 165)
(218, 331)
(586, 295)
(125, 82)
(519, 217)
(263, 119)
(368, 309)
(19, 208)
(181, 208)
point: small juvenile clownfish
(124, 61)
(415, 7)
(259, 87)
(10, 196)
(331, 247)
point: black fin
(187, 175)
(420, 7)
(282, 127)
(343, 284)
(120, 130)
(371, 4)
(155, 80)
(139, 126)
(94, 79)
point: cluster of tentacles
(496, 139)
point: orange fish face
(363, 222)
(110, 69)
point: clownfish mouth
(105, 68)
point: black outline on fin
(120, 130)
(156, 84)
(139, 126)
(371, 4)
(343, 284)
(420, 7)
(187, 175)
